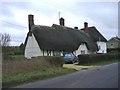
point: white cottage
(97, 38)
(57, 39)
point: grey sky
(14, 20)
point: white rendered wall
(57, 53)
(32, 48)
(82, 47)
(102, 47)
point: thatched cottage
(59, 39)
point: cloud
(14, 17)
(101, 12)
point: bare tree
(5, 39)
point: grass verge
(10, 80)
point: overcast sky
(14, 16)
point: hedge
(14, 66)
(91, 58)
(52, 60)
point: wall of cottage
(32, 48)
(52, 53)
(102, 47)
(82, 50)
(113, 44)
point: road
(99, 77)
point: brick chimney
(30, 21)
(61, 21)
(85, 26)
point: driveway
(79, 67)
(99, 77)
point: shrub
(56, 61)
(14, 66)
(92, 58)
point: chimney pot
(85, 26)
(61, 21)
(75, 27)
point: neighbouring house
(113, 44)
(97, 37)
(59, 39)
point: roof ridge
(41, 26)
(64, 27)
(89, 27)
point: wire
(15, 25)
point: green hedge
(92, 58)
(113, 50)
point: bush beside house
(92, 58)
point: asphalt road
(100, 77)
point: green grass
(14, 66)
(23, 77)
(101, 63)
(17, 57)
(18, 70)
(22, 71)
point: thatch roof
(61, 38)
(95, 34)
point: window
(82, 51)
(99, 47)
(55, 53)
(111, 44)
